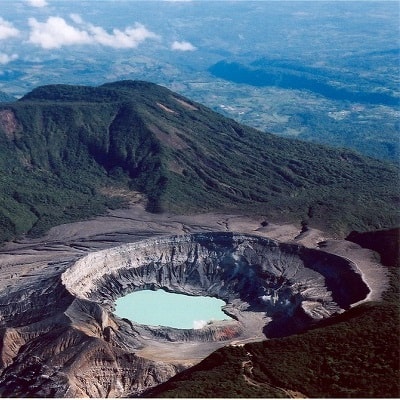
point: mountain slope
(352, 357)
(62, 145)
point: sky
(29, 26)
(45, 25)
(182, 35)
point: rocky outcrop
(60, 338)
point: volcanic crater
(69, 343)
(270, 289)
(254, 275)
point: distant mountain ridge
(266, 73)
(62, 145)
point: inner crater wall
(252, 274)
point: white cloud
(199, 324)
(76, 18)
(5, 58)
(182, 46)
(37, 3)
(129, 38)
(7, 29)
(56, 33)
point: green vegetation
(218, 376)
(67, 143)
(352, 355)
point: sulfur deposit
(65, 341)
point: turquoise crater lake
(158, 307)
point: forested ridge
(62, 145)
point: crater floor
(61, 338)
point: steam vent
(270, 288)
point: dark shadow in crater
(285, 325)
(346, 285)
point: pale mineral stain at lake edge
(158, 307)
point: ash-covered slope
(66, 151)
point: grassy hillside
(60, 146)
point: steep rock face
(68, 362)
(68, 343)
